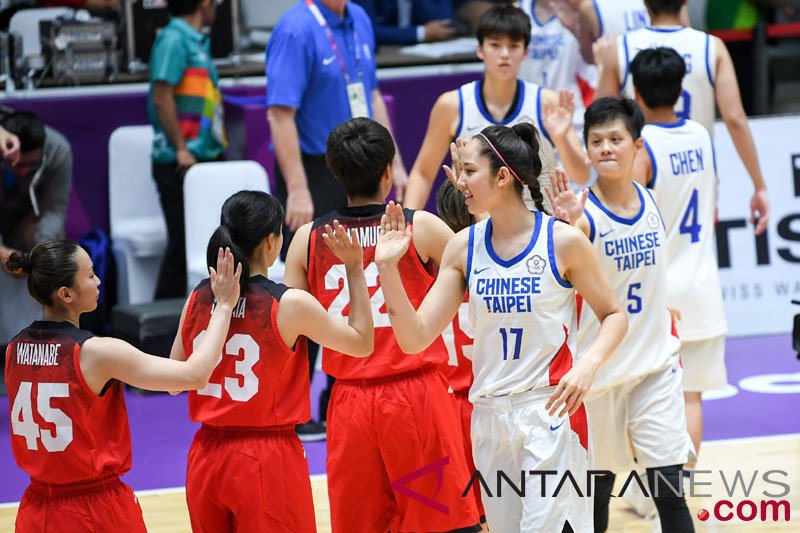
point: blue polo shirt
(303, 72)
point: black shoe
(311, 431)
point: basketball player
(500, 98)
(390, 414)
(522, 270)
(680, 167)
(637, 396)
(710, 78)
(69, 425)
(554, 58)
(247, 469)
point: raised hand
(344, 244)
(566, 205)
(558, 120)
(454, 172)
(224, 281)
(395, 236)
(603, 50)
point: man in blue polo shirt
(320, 73)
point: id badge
(358, 100)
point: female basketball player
(637, 395)
(247, 469)
(69, 425)
(520, 268)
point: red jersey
(458, 338)
(258, 380)
(328, 283)
(61, 431)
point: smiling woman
(532, 267)
(60, 374)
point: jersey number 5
(337, 275)
(238, 343)
(22, 422)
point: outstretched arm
(416, 329)
(105, 358)
(729, 102)
(301, 314)
(431, 153)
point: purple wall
(88, 121)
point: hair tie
(501, 157)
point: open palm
(566, 205)
(395, 236)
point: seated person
(34, 193)
(410, 21)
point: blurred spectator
(469, 12)
(185, 109)
(410, 21)
(745, 14)
(34, 195)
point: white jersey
(633, 254)
(555, 61)
(524, 314)
(618, 17)
(474, 117)
(685, 187)
(698, 49)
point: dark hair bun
(527, 132)
(19, 262)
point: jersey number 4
(337, 275)
(689, 223)
(23, 424)
(240, 390)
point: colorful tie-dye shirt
(181, 57)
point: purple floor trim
(162, 431)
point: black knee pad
(666, 488)
(665, 482)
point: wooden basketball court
(165, 510)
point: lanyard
(356, 42)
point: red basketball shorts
(465, 411)
(249, 479)
(104, 504)
(396, 456)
